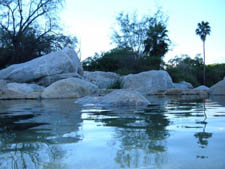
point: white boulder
(21, 91)
(69, 88)
(183, 85)
(63, 61)
(218, 88)
(116, 98)
(148, 82)
(202, 87)
(102, 79)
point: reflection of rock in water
(29, 130)
(142, 137)
(218, 99)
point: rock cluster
(60, 75)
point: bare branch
(32, 16)
(20, 12)
(12, 11)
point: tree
(130, 32)
(25, 23)
(203, 30)
(157, 43)
(118, 60)
(32, 46)
(184, 68)
(147, 38)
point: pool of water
(58, 134)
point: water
(58, 134)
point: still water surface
(58, 134)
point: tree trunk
(204, 62)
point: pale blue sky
(92, 22)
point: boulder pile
(60, 75)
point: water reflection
(29, 131)
(143, 139)
(203, 136)
(170, 133)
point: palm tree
(203, 30)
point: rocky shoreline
(60, 75)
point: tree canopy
(28, 30)
(203, 30)
(140, 45)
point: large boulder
(183, 85)
(148, 82)
(63, 61)
(21, 91)
(101, 79)
(69, 88)
(116, 98)
(218, 88)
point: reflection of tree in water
(203, 136)
(30, 131)
(142, 136)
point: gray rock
(183, 85)
(218, 88)
(202, 87)
(63, 61)
(3, 83)
(48, 80)
(148, 82)
(69, 88)
(116, 98)
(101, 79)
(21, 91)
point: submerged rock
(116, 98)
(148, 82)
(63, 61)
(69, 88)
(218, 88)
(21, 91)
(101, 79)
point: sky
(92, 22)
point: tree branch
(20, 12)
(32, 16)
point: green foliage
(214, 73)
(141, 45)
(146, 37)
(115, 60)
(31, 46)
(186, 69)
(157, 43)
(203, 30)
